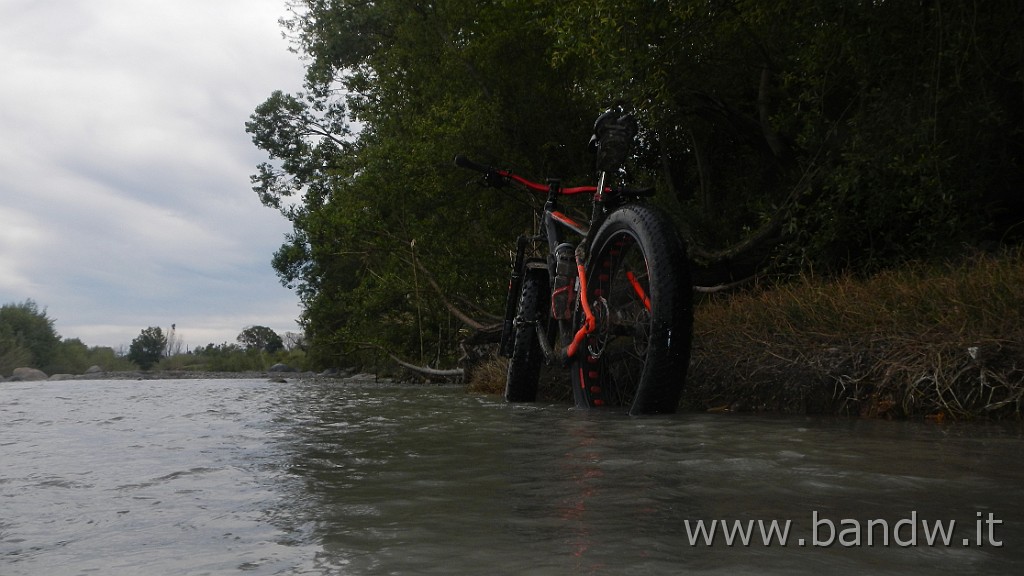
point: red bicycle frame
(554, 221)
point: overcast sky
(124, 166)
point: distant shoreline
(200, 375)
(185, 375)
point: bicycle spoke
(619, 345)
(638, 289)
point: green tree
(27, 337)
(895, 130)
(148, 347)
(260, 338)
(855, 135)
(424, 81)
(72, 357)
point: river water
(192, 477)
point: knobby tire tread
(657, 375)
(524, 365)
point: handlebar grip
(492, 177)
(463, 162)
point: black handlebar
(492, 177)
(463, 162)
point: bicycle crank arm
(550, 354)
(566, 354)
(545, 345)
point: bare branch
(454, 373)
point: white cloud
(124, 192)
(19, 234)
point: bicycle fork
(515, 285)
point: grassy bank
(935, 341)
(938, 341)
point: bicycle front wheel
(525, 364)
(639, 289)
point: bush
(232, 358)
(27, 337)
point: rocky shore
(276, 372)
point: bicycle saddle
(613, 135)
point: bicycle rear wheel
(525, 363)
(638, 284)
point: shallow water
(248, 476)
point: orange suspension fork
(589, 322)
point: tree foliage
(148, 347)
(260, 338)
(424, 82)
(75, 357)
(862, 134)
(894, 127)
(27, 337)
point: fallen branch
(723, 287)
(454, 373)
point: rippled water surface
(252, 477)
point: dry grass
(488, 377)
(929, 340)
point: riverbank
(211, 375)
(927, 341)
(162, 375)
(179, 375)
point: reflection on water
(230, 476)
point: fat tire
(525, 363)
(649, 377)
